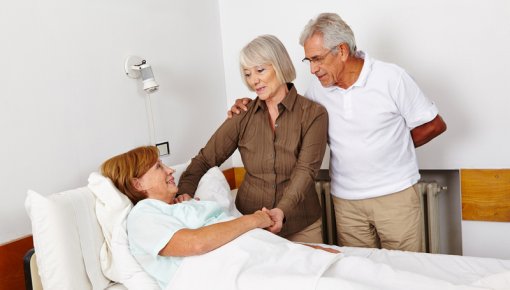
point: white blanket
(259, 260)
(458, 270)
(362, 273)
(254, 261)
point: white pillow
(214, 186)
(129, 272)
(117, 263)
(63, 261)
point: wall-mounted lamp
(137, 67)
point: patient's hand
(182, 197)
(262, 219)
(277, 216)
(239, 105)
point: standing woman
(281, 138)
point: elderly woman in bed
(161, 230)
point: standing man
(377, 116)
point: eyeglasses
(318, 59)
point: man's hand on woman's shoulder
(239, 105)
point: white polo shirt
(372, 152)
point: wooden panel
(234, 176)
(11, 263)
(231, 177)
(485, 194)
(239, 173)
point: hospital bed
(80, 242)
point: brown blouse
(280, 166)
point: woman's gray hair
(267, 49)
(333, 29)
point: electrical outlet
(164, 148)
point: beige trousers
(391, 221)
(310, 234)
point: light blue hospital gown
(152, 223)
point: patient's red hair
(124, 168)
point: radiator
(429, 200)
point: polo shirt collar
(365, 70)
(288, 102)
(363, 76)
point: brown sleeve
(309, 161)
(219, 148)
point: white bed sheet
(237, 266)
(451, 268)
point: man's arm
(190, 242)
(424, 133)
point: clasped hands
(276, 215)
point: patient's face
(159, 182)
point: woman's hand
(277, 216)
(239, 105)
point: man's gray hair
(333, 29)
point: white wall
(66, 104)
(486, 239)
(458, 51)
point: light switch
(164, 148)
